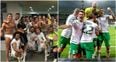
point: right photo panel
(86, 30)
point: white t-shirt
(67, 32)
(76, 31)
(88, 31)
(31, 38)
(41, 37)
(103, 22)
(17, 43)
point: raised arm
(111, 12)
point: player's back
(88, 31)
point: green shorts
(103, 37)
(63, 42)
(73, 48)
(89, 49)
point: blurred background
(67, 6)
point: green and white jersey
(67, 32)
(76, 31)
(88, 31)
(103, 22)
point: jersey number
(87, 29)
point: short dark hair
(35, 18)
(17, 13)
(31, 27)
(9, 14)
(21, 25)
(16, 33)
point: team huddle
(84, 31)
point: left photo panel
(28, 30)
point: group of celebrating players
(27, 33)
(84, 31)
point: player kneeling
(16, 51)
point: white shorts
(9, 36)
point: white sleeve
(70, 19)
(12, 41)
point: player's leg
(80, 51)
(55, 53)
(95, 47)
(74, 50)
(63, 42)
(44, 46)
(7, 42)
(107, 44)
(89, 48)
(99, 44)
(68, 43)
